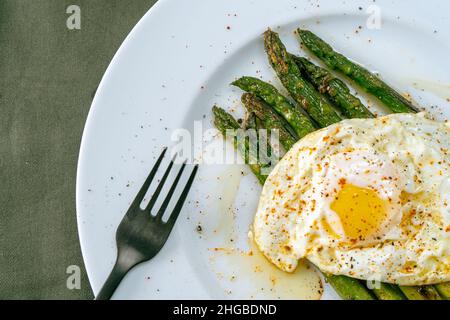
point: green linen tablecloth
(48, 76)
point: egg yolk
(360, 210)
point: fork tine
(164, 205)
(140, 196)
(160, 186)
(176, 211)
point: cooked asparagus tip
(269, 118)
(224, 121)
(444, 290)
(300, 123)
(349, 288)
(300, 89)
(368, 81)
(420, 292)
(388, 291)
(333, 88)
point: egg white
(405, 159)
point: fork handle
(113, 281)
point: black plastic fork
(141, 235)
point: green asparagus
(420, 292)
(269, 118)
(368, 81)
(334, 88)
(251, 133)
(263, 145)
(349, 288)
(444, 290)
(300, 89)
(299, 122)
(224, 122)
(388, 291)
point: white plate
(175, 64)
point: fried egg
(366, 198)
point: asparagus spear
(420, 292)
(269, 118)
(224, 121)
(262, 142)
(388, 291)
(444, 290)
(299, 122)
(349, 288)
(368, 81)
(301, 90)
(334, 88)
(253, 140)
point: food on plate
(353, 289)
(225, 122)
(316, 78)
(368, 81)
(299, 122)
(334, 89)
(269, 118)
(387, 291)
(363, 198)
(263, 151)
(347, 288)
(302, 91)
(421, 293)
(444, 289)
